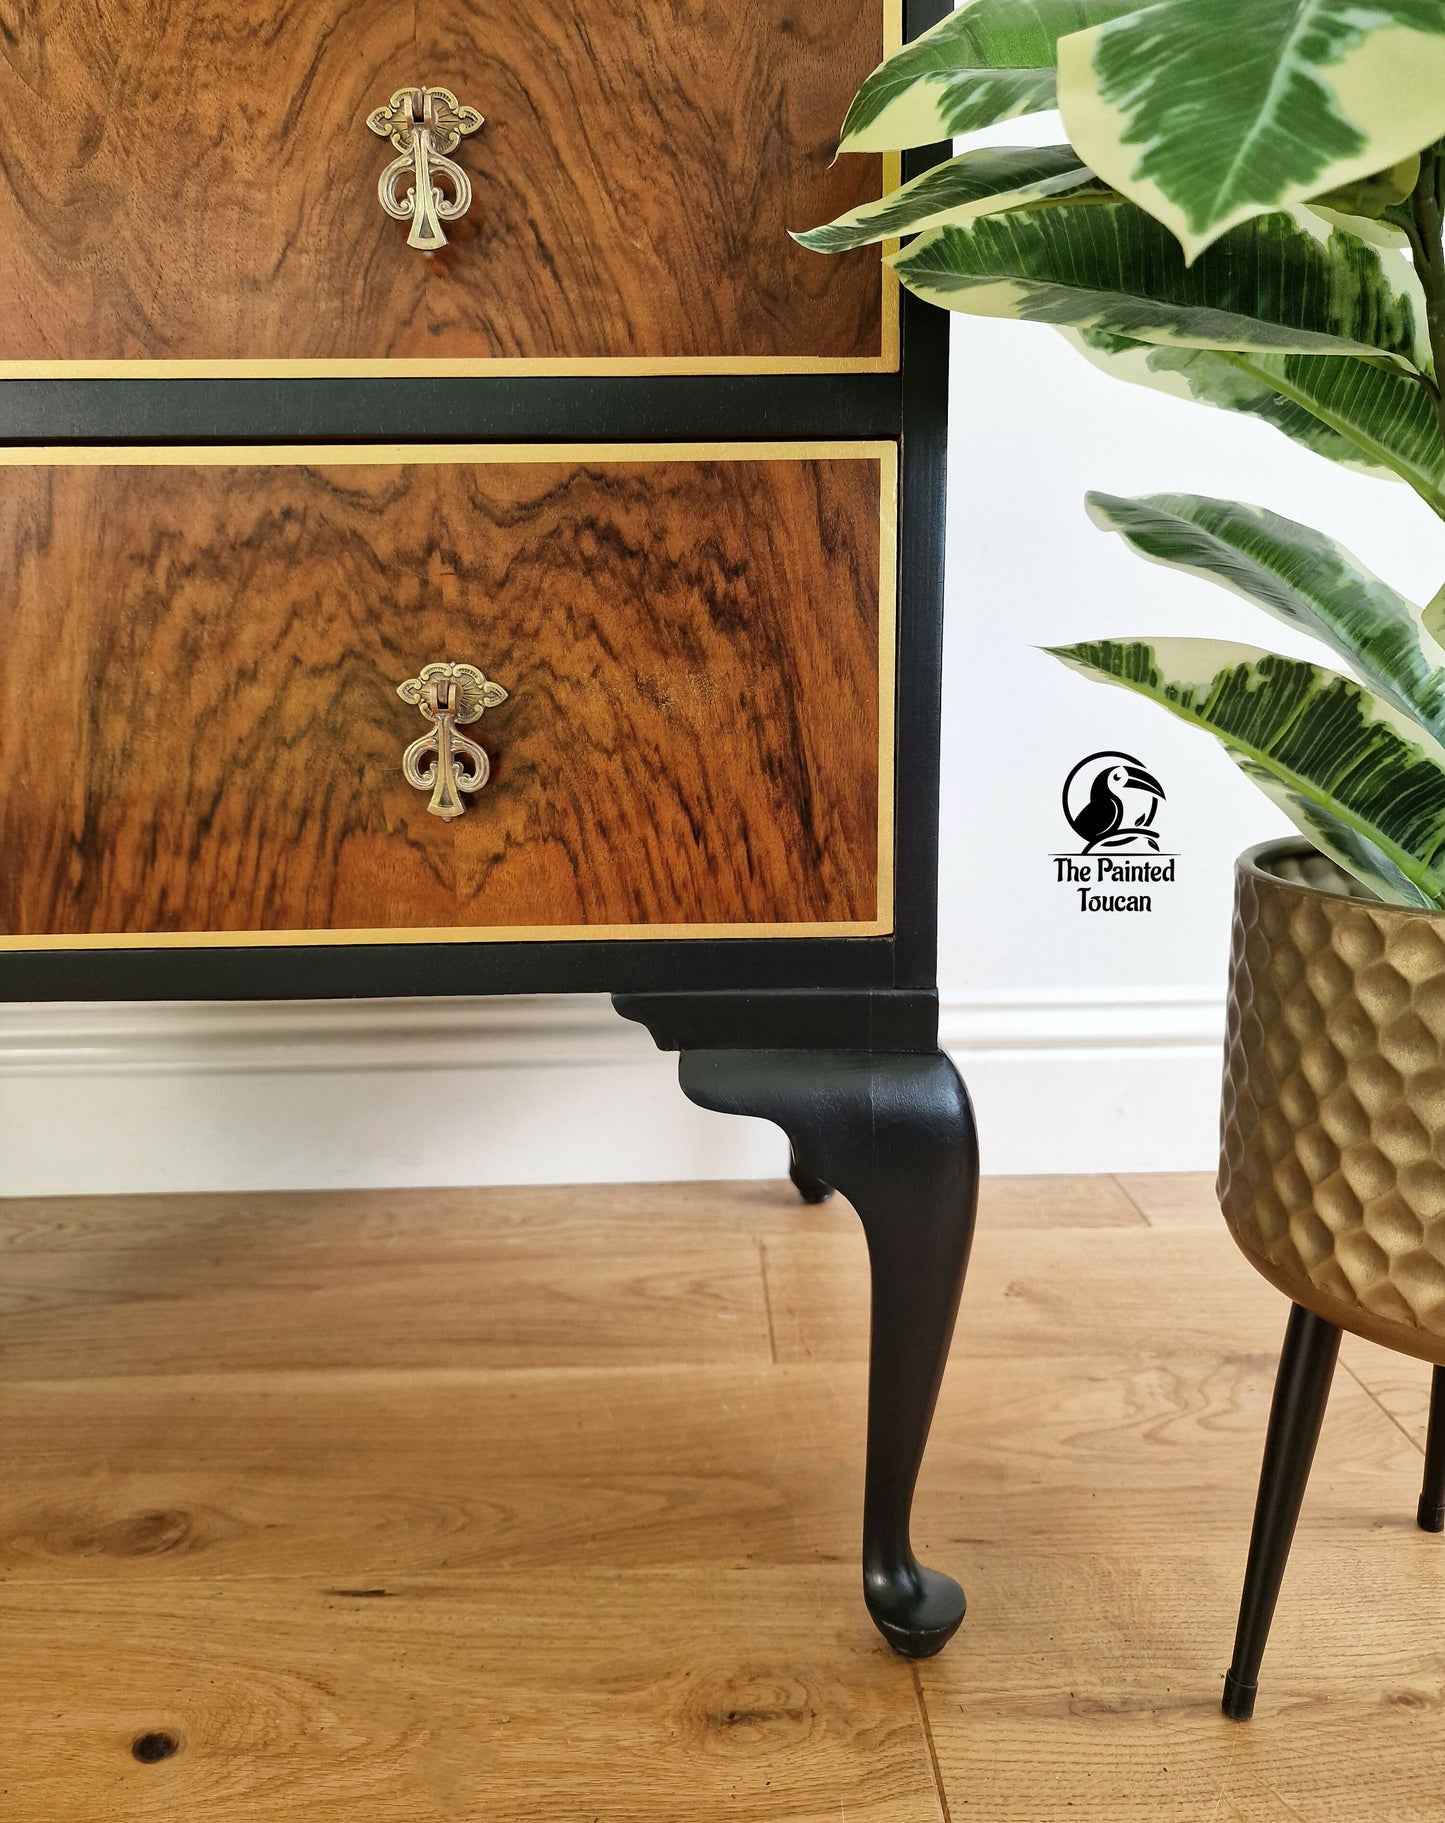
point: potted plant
(1248, 213)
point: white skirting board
(123, 1097)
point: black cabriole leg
(894, 1132)
(811, 1189)
(1430, 1514)
(1301, 1391)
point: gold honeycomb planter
(1332, 1166)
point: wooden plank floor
(543, 1504)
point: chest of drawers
(531, 587)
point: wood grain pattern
(372, 1226)
(1056, 1202)
(664, 1695)
(265, 1472)
(199, 726)
(196, 181)
(307, 1314)
(1093, 1689)
(624, 1587)
(817, 1278)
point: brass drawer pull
(444, 762)
(424, 125)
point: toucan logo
(1112, 801)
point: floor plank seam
(767, 1299)
(1132, 1200)
(1374, 1397)
(927, 1727)
(1166, 1225)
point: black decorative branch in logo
(1110, 800)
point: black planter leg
(894, 1132)
(1431, 1512)
(1301, 1391)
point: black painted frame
(910, 405)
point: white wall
(1091, 1043)
(1034, 426)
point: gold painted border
(884, 453)
(477, 935)
(887, 360)
(381, 455)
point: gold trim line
(477, 934)
(381, 455)
(499, 367)
(887, 670)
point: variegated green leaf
(1296, 574)
(1330, 746)
(1282, 284)
(1432, 619)
(1236, 382)
(1376, 419)
(1377, 230)
(1356, 853)
(973, 184)
(1372, 195)
(1207, 112)
(1365, 205)
(989, 60)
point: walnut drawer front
(201, 735)
(194, 185)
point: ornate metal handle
(424, 125)
(444, 762)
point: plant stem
(1426, 232)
